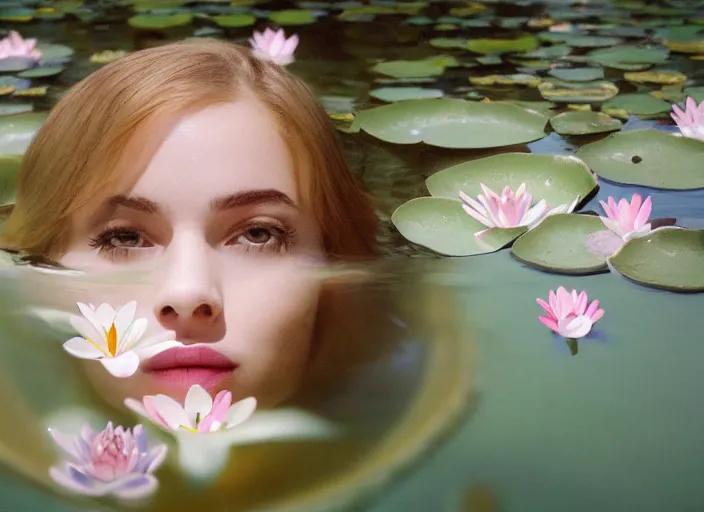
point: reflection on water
(373, 397)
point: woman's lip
(194, 357)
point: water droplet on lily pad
(667, 258)
(453, 123)
(559, 244)
(667, 162)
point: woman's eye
(267, 238)
(126, 239)
(256, 236)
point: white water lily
(115, 338)
(206, 428)
(200, 414)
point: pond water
(528, 422)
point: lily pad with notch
(649, 158)
(41, 72)
(558, 179)
(559, 244)
(668, 258)
(584, 123)
(630, 57)
(441, 225)
(453, 123)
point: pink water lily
(274, 46)
(690, 120)
(14, 45)
(510, 209)
(200, 413)
(569, 314)
(627, 219)
(115, 338)
(116, 461)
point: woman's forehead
(222, 149)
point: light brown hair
(82, 148)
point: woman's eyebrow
(250, 198)
(141, 204)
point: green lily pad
(52, 52)
(490, 60)
(667, 258)
(549, 52)
(499, 46)
(410, 68)
(17, 14)
(453, 123)
(592, 41)
(444, 227)
(292, 17)
(447, 42)
(9, 174)
(12, 109)
(577, 92)
(656, 77)
(41, 72)
(640, 104)
(649, 158)
(558, 179)
(16, 132)
(234, 20)
(584, 123)
(577, 74)
(626, 56)
(559, 244)
(391, 94)
(14, 64)
(695, 92)
(515, 79)
(159, 21)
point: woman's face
(218, 220)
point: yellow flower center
(112, 340)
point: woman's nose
(189, 300)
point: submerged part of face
(218, 219)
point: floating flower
(274, 46)
(200, 413)
(568, 314)
(115, 338)
(691, 120)
(627, 220)
(14, 45)
(510, 209)
(112, 462)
